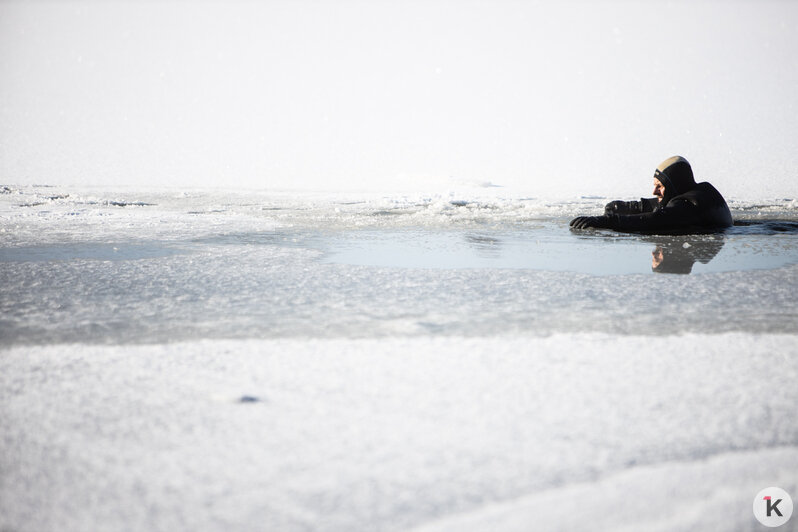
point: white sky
(549, 97)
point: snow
(516, 431)
(633, 500)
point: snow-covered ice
(452, 433)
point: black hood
(676, 175)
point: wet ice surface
(219, 360)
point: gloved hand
(583, 222)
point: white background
(548, 98)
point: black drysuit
(687, 207)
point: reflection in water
(485, 246)
(679, 255)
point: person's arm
(679, 214)
(630, 207)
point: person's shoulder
(705, 188)
(708, 190)
(705, 185)
(700, 194)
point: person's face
(657, 256)
(659, 189)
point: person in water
(680, 205)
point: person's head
(672, 177)
(670, 259)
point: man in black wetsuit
(681, 206)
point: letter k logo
(772, 506)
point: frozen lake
(158, 269)
(220, 360)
